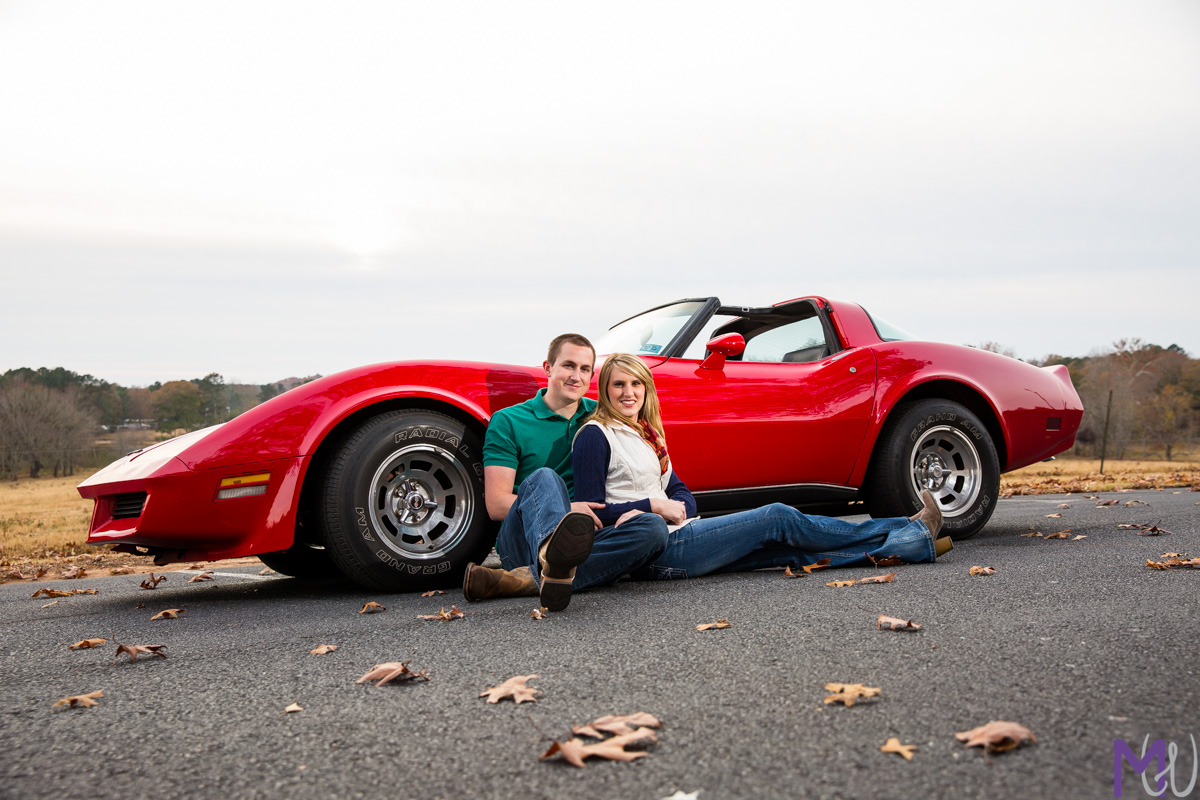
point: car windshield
(889, 332)
(647, 334)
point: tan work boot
(484, 583)
(930, 513)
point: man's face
(570, 375)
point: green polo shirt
(530, 436)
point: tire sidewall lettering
(451, 439)
(388, 559)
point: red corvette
(376, 471)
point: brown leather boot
(930, 513)
(483, 583)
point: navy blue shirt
(590, 457)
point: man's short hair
(568, 338)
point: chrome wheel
(946, 463)
(421, 502)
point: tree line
(1155, 400)
(52, 417)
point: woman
(620, 459)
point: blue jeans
(542, 501)
(779, 535)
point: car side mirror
(731, 344)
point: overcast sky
(267, 189)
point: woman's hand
(630, 514)
(673, 511)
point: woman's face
(627, 393)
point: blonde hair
(607, 414)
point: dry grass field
(43, 522)
(1083, 475)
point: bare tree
(43, 427)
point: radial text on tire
(941, 446)
(402, 502)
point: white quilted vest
(633, 469)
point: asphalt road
(1077, 640)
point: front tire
(402, 502)
(941, 446)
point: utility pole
(1104, 441)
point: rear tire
(941, 446)
(402, 502)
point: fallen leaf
(893, 745)
(169, 613)
(1104, 503)
(617, 724)
(895, 624)
(74, 572)
(322, 650)
(515, 688)
(16, 574)
(122, 570)
(87, 643)
(372, 608)
(203, 576)
(811, 568)
(1030, 535)
(539, 613)
(1079, 536)
(1172, 555)
(1135, 503)
(1159, 564)
(443, 615)
(51, 603)
(996, 736)
(575, 751)
(134, 650)
(294, 707)
(84, 591)
(266, 571)
(840, 584)
(432, 592)
(392, 671)
(787, 573)
(1053, 516)
(982, 570)
(1064, 505)
(879, 578)
(81, 700)
(1153, 530)
(50, 593)
(711, 626)
(849, 693)
(1059, 534)
(888, 561)
(153, 582)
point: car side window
(697, 347)
(796, 342)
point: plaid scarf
(652, 439)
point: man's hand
(586, 508)
(673, 511)
(630, 514)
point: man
(527, 483)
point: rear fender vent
(128, 506)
